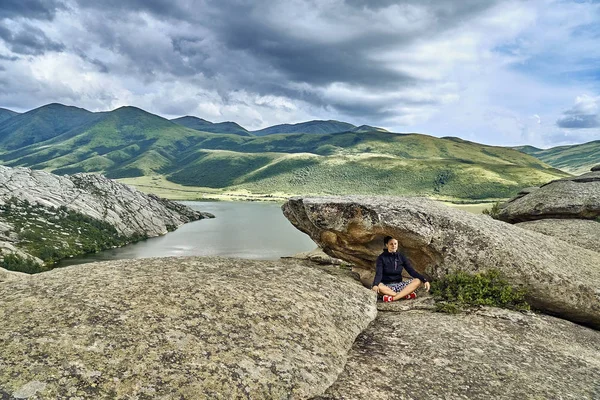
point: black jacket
(389, 268)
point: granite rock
(126, 208)
(489, 354)
(574, 197)
(439, 239)
(131, 212)
(178, 328)
(580, 232)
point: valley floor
(160, 186)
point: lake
(239, 229)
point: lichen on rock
(488, 354)
(179, 328)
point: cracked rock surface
(489, 354)
(562, 279)
(178, 328)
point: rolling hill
(203, 125)
(41, 124)
(131, 143)
(6, 114)
(574, 159)
(317, 127)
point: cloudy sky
(496, 72)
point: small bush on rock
(494, 211)
(460, 290)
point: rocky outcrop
(568, 209)
(490, 354)
(580, 232)
(596, 168)
(39, 203)
(561, 279)
(178, 328)
(124, 207)
(575, 197)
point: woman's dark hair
(387, 239)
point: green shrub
(15, 262)
(493, 212)
(53, 234)
(461, 290)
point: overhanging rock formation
(561, 279)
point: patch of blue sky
(588, 31)
(554, 68)
(511, 49)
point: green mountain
(125, 142)
(41, 124)
(203, 125)
(6, 114)
(575, 159)
(129, 142)
(317, 126)
(367, 128)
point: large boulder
(561, 279)
(575, 197)
(580, 232)
(176, 328)
(491, 354)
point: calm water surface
(239, 229)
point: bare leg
(411, 287)
(383, 289)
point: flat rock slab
(561, 279)
(423, 302)
(580, 232)
(492, 354)
(178, 328)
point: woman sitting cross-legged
(388, 275)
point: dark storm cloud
(582, 121)
(8, 58)
(240, 27)
(102, 67)
(242, 45)
(29, 40)
(33, 9)
(181, 9)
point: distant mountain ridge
(203, 125)
(316, 126)
(6, 114)
(130, 143)
(575, 159)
